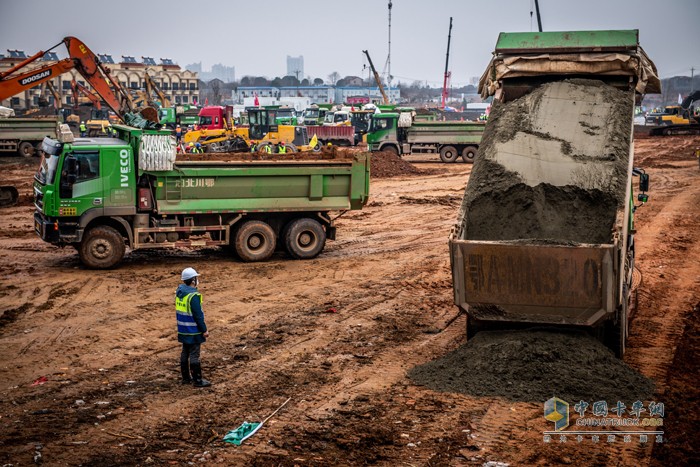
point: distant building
(196, 67)
(319, 94)
(352, 93)
(295, 66)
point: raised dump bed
(544, 234)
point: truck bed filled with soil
(552, 166)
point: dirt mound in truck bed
(334, 154)
(533, 366)
(552, 165)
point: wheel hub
(101, 249)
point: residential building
(354, 93)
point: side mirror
(643, 182)
(642, 198)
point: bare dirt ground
(105, 342)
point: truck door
(80, 183)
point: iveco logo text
(36, 77)
(124, 162)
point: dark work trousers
(190, 352)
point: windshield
(47, 170)
(286, 113)
(205, 120)
(329, 118)
(340, 117)
(380, 124)
(310, 113)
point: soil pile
(532, 366)
(552, 165)
(388, 164)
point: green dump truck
(545, 234)
(103, 195)
(401, 134)
(23, 135)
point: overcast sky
(256, 36)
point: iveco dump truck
(400, 134)
(545, 234)
(103, 195)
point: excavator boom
(82, 59)
(376, 78)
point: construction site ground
(89, 370)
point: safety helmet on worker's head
(198, 145)
(282, 143)
(83, 122)
(191, 144)
(189, 273)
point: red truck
(337, 135)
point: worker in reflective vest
(282, 148)
(83, 129)
(191, 328)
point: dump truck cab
(79, 182)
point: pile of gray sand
(552, 165)
(532, 366)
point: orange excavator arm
(17, 84)
(80, 89)
(82, 59)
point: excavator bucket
(8, 196)
(150, 114)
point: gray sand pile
(552, 165)
(532, 366)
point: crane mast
(447, 72)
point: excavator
(677, 120)
(151, 88)
(99, 119)
(80, 58)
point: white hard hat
(189, 273)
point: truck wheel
(25, 149)
(291, 147)
(255, 241)
(468, 154)
(448, 154)
(102, 248)
(304, 238)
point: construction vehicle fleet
(106, 194)
(676, 119)
(523, 250)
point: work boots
(197, 376)
(185, 370)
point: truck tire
(291, 148)
(448, 154)
(25, 149)
(255, 241)
(468, 154)
(102, 248)
(304, 238)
